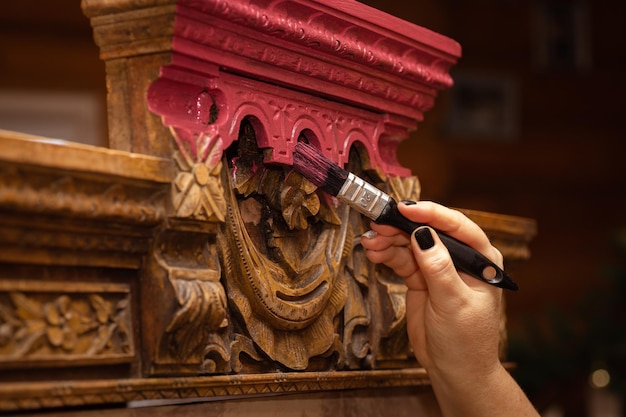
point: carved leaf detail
(26, 308)
(216, 355)
(203, 310)
(101, 307)
(214, 198)
(298, 201)
(408, 188)
(55, 336)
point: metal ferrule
(363, 196)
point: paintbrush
(383, 209)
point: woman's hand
(453, 319)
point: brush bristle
(315, 167)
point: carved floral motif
(41, 326)
(298, 202)
(197, 191)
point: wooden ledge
(21, 148)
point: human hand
(453, 319)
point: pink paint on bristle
(318, 169)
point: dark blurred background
(533, 127)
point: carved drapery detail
(268, 262)
(282, 279)
(301, 292)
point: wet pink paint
(337, 71)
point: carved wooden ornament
(190, 260)
(246, 81)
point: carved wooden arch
(280, 116)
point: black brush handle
(465, 258)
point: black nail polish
(424, 238)
(408, 202)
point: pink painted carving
(336, 71)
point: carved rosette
(197, 191)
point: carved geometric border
(34, 395)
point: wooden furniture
(188, 261)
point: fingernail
(424, 238)
(369, 234)
(408, 202)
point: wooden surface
(405, 402)
(91, 278)
(565, 165)
(189, 261)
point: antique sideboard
(187, 262)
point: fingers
(428, 263)
(447, 287)
(372, 240)
(452, 222)
(385, 230)
(394, 252)
(387, 245)
(400, 259)
(433, 260)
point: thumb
(433, 259)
